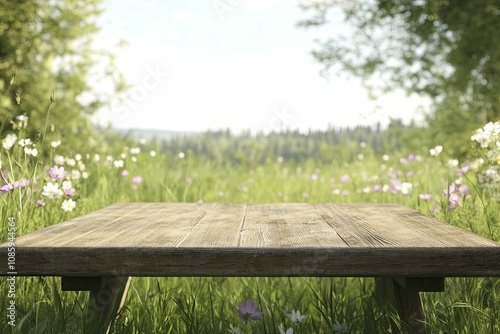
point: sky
(237, 64)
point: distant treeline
(342, 144)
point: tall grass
(208, 305)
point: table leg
(403, 294)
(107, 295)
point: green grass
(208, 305)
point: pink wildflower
(345, 178)
(425, 197)
(57, 173)
(137, 179)
(70, 191)
(6, 188)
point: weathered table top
(215, 239)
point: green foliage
(447, 50)
(46, 55)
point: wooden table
(99, 251)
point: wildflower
(71, 162)
(6, 188)
(68, 205)
(123, 156)
(345, 178)
(55, 143)
(22, 118)
(40, 203)
(454, 200)
(345, 192)
(280, 159)
(340, 328)
(436, 151)
(395, 186)
(181, 155)
(25, 142)
(118, 163)
(463, 190)
(30, 151)
(385, 157)
(59, 159)
(137, 179)
(425, 197)
(70, 191)
(248, 311)
(152, 154)
(452, 163)
(81, 166)
(96, 158)
(75, 174)
(51, 190)
(135, 150)
(124, 172)
(235, 330)
(464, 170)
(21, 184)
(288, 331)
(85, 175)
(9, 141)
(377, 187)
(314, 177)
(296, 317)
(406, 188)
(57, 173)
(67, 185)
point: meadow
(44, 183)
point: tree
(448, 50)
(46, 51)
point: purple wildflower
(454, 200)
(463, 190)
(6, 188)
(425, 197)
(464, 170)
(248, 311)
(70, 191)
(40, 203)
(124, 172)
(57, 173)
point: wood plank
(287, 226)
(283, 239)
(389, 225)
(219, 227)
(415, 262)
